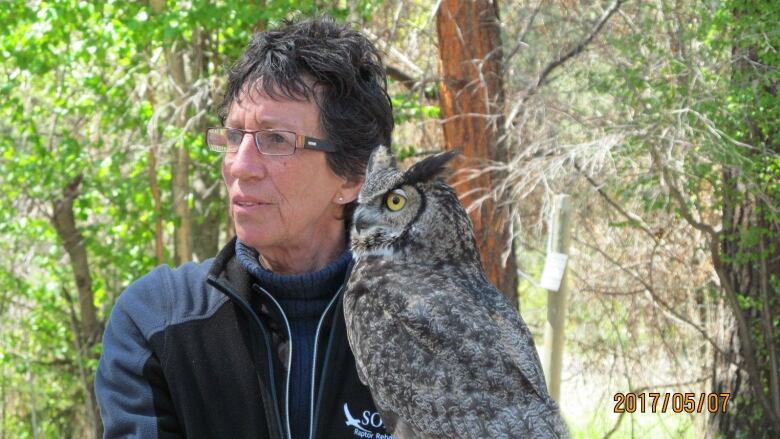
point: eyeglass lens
(267, 142)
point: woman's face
(281, 203)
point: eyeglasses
(268, 142)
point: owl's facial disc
(371, 234)
(378, 223)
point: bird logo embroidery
(351, 421)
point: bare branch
(399, 67)
(632, 218)
(524, 32)
(658, 301)
(674, 190)
(615, 427)
(574, 51)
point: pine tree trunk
(471, 93)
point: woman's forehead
(270, 108)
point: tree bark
(89, 330)
(471, 94)
(205, 184)
(180, 184)
(747, 263)
(154, 186)
(750, 371)
(206, 225)
(159, 247)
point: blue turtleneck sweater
(303, 299)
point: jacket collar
(227, 269)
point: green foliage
(600, 421)
(408, 107)
(86, 91)
(697, 84)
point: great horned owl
(442, 351)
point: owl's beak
(360, 223)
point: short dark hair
(339, 68)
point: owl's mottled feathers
(443, 352)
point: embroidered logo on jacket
(369, 420)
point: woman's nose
(247, 162)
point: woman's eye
(235, 137)
(275, 138)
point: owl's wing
(453, 352)
(516, 338)
(481, 317)
(355, 323)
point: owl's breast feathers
(445, 352)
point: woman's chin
(253, 237)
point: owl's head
(405, 210)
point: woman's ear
(349, 190)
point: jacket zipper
(314, 361)
(244, 305)
(260, 289)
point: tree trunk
(64, 223)
(207, 198)
(749, 263)
(472, 104)
(154, 187)
(180, 184)
(159, 248)
(88, 332)
(750, 372)
(180, 191)
(211, 214)
(180, 160)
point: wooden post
(557, 245)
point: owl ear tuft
(381, 158)
(429, 168)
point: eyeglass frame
(301, 141)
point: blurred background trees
(660, 118)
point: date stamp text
(676, 402)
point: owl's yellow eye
(396, 200)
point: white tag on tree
(554, 266)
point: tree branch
(524, 32)
(400, 68)
(574, 51)
(633, 218)
(676, 193)
(64, 222)
(746, 341)
(657, 301)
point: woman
(252, 342)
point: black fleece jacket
(197, 351)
